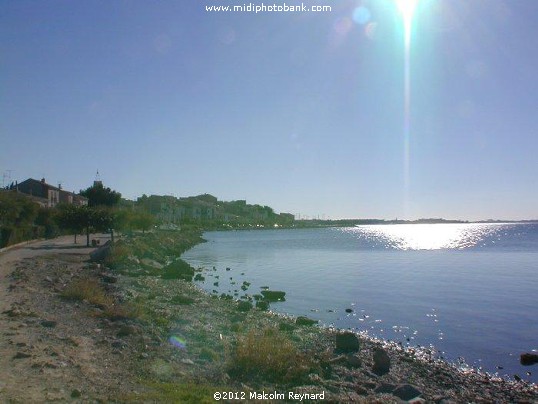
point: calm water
(470, 290)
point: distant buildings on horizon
(47, 195)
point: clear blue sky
(303, 112)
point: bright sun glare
(407, 8)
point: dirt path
(51, 349)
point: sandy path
(40, 362)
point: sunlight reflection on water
(424, 236)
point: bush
(118, 255)
(123, 311)
(87, 289)
(268, 355)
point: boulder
(273, 295)
(406, 392)
(244, 306)
(353, 361)
(528, 359)
(178, 270)
(262, 305)
(301, 320)
(347, 342)
(381, 362)
(99, 254)
(151, 263)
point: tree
(73, 218)
(98, 195)
(16, 209)
(17, 216)
(143, 221)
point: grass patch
(87, 289)
(123, 311)
(182, 299)
(176, 393)
(118, 255)
(268, 355)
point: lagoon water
(468, 290)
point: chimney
(42, 180)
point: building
(48, 195)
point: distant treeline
(357, 222)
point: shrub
(268, 354)
(118, 255)
(87, 289)
(122, 311)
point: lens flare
(178, 342)
(361, 15)
(407, 9)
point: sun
(407, 8)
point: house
(48, 195)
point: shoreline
(182, 337)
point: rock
(354, 361)
(528, 359)
(126, 330)
(21, 355)
(349, 310)
(347, 342)
(48, 323)
(381, 362)
(385, 388)
(187, 361)
(99, 254)
(178, 269)
(244, 306)
(406, 392)
(262, 305)
(151, 263)
(285, 327)
(273, 295)
(301, 320)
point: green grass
(267, 355)
(176, 393)
(87, 289)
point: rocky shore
(132, 327)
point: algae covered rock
(244, 306)
(301, 320)
(178, 269)
(274, 295)
(381, 362)
(347, 342)
(262, 305)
